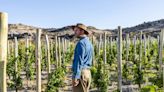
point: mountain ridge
(149, 26)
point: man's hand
(75, 82)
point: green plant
(93, 73)
(15, 79)
(30, 61)
(158, 80)
(149, 88)
(56, 79)
(111, 55)
(69, 54)
(100, 77)
(44, 64)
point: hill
(21, 29)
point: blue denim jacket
(82, 56)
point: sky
(102, 14)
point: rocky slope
(20, 29)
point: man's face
(78, 31)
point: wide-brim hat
(81, 26)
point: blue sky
(99, 13)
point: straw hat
(81, 26)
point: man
(82, 62)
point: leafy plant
(158, 80)
(56, 79)
(149, 88)
(15, 79)
(100, 77)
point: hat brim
(86, 32)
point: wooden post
(69, 44)
(27, 43)
(59, 49)
(16, 53)
(104, 48)
(148, 42)
(27, 52)
(158, 42)
(160, 50)
(93, 60)
(8, 48)
(56, 51)
(140, 59)
(145, 45)
(65, 44)
(111, 44)
(12, 46)
(63, 50)
(134, 47)
(145, 57)
(3, 50)
(123, 42)
(99, 45)
(51, 48)
(108, 41)
(30, 41)
(140, 55)
(127, 47)
(48, 55)
(38, 60)
(27, 49)
(137, 40)
(116, 42)
(119, 58)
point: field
(136, 64)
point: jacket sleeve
(78, 60)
